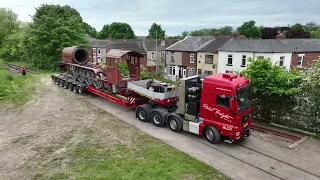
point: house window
(172, 70)
(222, 101)
(191, 58)
(191, 69)
(94, 51)
(209, 59)
(229, 60)
(260, 57)
(199, 71)
(300, 59)
(99, 51)
(229, 71)
(172, 56)
(152, 55)
(99, 59)
(281, 62)
(208, 72)
(243, 62)
(162, 54)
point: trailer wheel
(66, 84)
(75, 89)
(158, 117)
(143, 112)
(212, 134)
(80, 89)
(174, 124)
(70, 87)
(61, 82)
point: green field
(16, 90)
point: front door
(184, 73)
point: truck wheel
(143, 112)
(174, 124)
(66, 84)
(212, 134)
(158, 117)
(80, 89)
(75, 89)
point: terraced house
(207, 55)
(181, 57)
(289, 53)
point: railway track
(15, 68)
(277, 133)
(270, 168)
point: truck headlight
(237, 133)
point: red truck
(218, 106)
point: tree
(269, 33)
(297, 32)
(297, 26)
(272, 85)
(8, 23)
(249, 30)
(156, 30)
(226, 30)
(204, 32)
(104, 33)
(315, 34)
(88, 29)
(311, 26)
(116, 30)
(185, 33)
(54, 27)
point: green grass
(148, 159)
(31, 66)
(16, 90)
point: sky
(176, 16)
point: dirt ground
(35, 137)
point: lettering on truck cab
(217, 112)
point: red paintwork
(167, 101)
(120, 101)
(228, 123)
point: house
(207, 55)
(98, 50)
(181, 57)
(305, 52)
(156, 50)
(289, 53)
(129, 44)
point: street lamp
(156, 51)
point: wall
(186, 62)
(237, 60)
(201, 56)
(152, 62)
(307, 59)
(177, 60)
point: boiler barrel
(76, 55)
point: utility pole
(156, 51)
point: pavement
(251, 159)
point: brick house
(305, 51)
(181, 57)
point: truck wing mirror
(241, 99)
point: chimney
(217, 35)
(235, 35)
(280, 36)
(163, 42)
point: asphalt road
(252, 158)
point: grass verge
(16, 90)
(149, 159)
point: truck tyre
(212, 134)
(75, 89)
(174, 124)
(158, 117)
(143, 112)
(66, 84)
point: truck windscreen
(244, 97)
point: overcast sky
(176, 16)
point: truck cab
(226, 105)
(218, 106)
